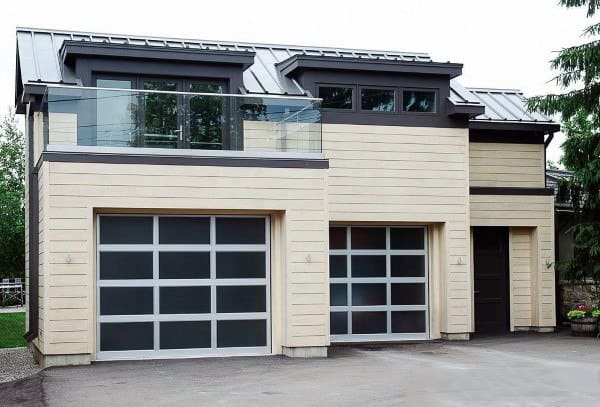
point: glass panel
(185, 300)
(160, 115)
(240, 230)
(126, 300)
(368, 238)
(338, 323)
(183, 265)
(144, 118)
(125, 265)
(369, 294)
(115, 114)
(244, 333)
(183, 230)
(419, 101)
(368, 266)
(408, 321)
(115, 336)
(378, 100)
(338, 294)
(408, 266)
(241, 264)
(241, 299)
(369, 322)
(337, 238)
(338, 266)
(206, 117)
(407, 238)
(185, 335)
(408, 294)
(125, 230)
(336, 97)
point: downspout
(33, 213)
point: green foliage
(579, 106)
(12, 193)
(551, 165)
(12, 329)
(576, 314)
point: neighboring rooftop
(38, 62)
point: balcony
(125, 121)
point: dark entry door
(491, 279)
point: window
(418, 101)
(336, 97)
(378, 100)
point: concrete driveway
(517, 370)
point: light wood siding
(296, 196)
(418, 175)
(506, 165)
(521, 265)
(533, 215)
(62, 128)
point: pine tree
(579, 106)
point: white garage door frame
(388, 280)
(212, 282)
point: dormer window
(378, 99)
(419, 101)
(337, 97)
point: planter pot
(584, 326)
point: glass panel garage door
(173, 286)
(378, 283)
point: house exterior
(196, 198)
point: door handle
(180, 132)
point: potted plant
(584, 320)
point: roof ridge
(220, 42)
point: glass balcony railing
(123, 118)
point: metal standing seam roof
(39, 62)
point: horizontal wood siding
(391, 174)
(533, 215)
(77, 189)
(506, 165)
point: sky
(502, 44)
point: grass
(12, 328)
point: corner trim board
(510, 191)
(184, 160)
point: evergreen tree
(579, 106)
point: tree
(579, 106)
(12, 195)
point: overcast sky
(502, 44)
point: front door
(490, 246)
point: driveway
(517, 370)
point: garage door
(171, 286)
(378, 283)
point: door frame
(158, 353)
(507, 277)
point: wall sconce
(308, 258)
(69, 259)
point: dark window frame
(435, 91)
(183, 109)
(396, 91)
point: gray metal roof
(505, 105)
(38, 58)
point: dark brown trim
(33, 214)
(512, 137)
(86, 157)
(510, 191)
(469, 109)
(298, 63)
(72, 50)
(514, 125)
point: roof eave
(514, 125)
(297, 63)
